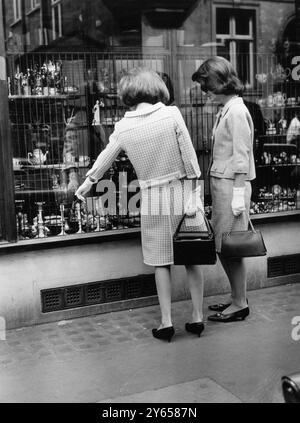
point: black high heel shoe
(230, 317)
(196, 328)
(165, 334)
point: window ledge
(116, 235)
(17, 21)
(276, 216)
(68, 240)
(31, 11)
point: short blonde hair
(142, 85)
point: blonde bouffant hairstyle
(141, 85)
(218, 76)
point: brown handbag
(237, 244)
(194, 247)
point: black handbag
(237, 244)
(194, 247)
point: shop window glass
(63, 108)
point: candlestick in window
(78, 213)
(40, 222)
(96, 111)
(100, 216)
(18, 78)
(20, 218)
(62, 214)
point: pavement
(113, 357)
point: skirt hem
(160, 264)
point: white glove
(238, 201)
(194, 202)
(84, 189)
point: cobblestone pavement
(110, 333)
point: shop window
(235, 28)
(56, 19)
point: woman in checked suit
(231, 170)
(156, 140)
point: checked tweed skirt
(222, 216)
(162, 208)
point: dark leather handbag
(194, 247)
(237, 244)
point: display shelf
(38, 191)
(276, 198)
(280, 215)
(60, 166)
(61, 97)
(44, 166)
(268, 136)
(286, 106)
(278, 165)
(39, 97)
(70, 240)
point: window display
(63, 109)
(277, 150)
(60, 122)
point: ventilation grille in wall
(97, 293)
(283, 265)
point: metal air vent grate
(97, 293)
(283, 265)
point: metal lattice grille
(114, 291)
(53, 300)
(74, 296)
(94, 293)
(97, 293)
(283, 265)
(133, 289)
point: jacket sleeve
(105, 158)
(241, 129)
(186, 147)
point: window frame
(56, 4)
(34, 4)
(17, 10)
(233, 37)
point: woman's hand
(194, 203)
(238, 201)
(84, 189)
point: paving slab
(203, 390)
(114, 356)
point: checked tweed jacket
(158, 144)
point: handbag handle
(209, 230)
(249, 220)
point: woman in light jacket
(231, 170)
(156, 140)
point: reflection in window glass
(223, 21)
(17, 9)
(243, 64)
(242, 22)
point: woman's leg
(195, 282)
(236, 272)
(227, 268)
(163, 286)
